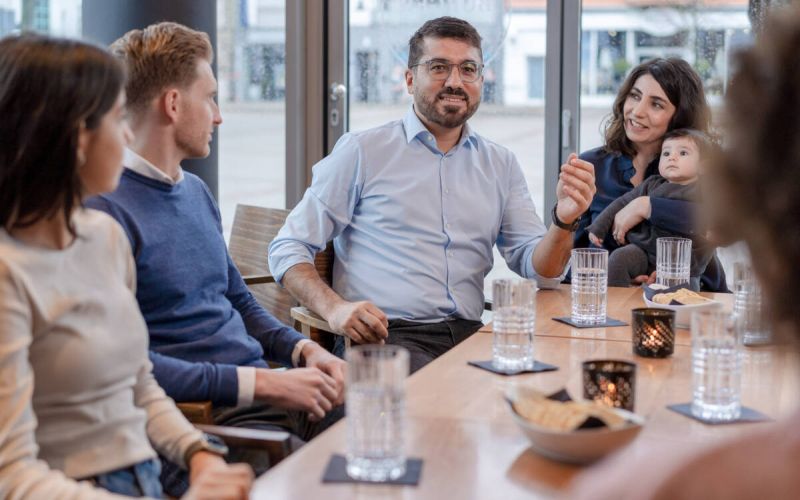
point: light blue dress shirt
(413, 228)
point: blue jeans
(138, 480)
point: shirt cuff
(247, 385)
(298, 348)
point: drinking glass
(589, 285)
(673, 261)
(748, 310)
(716, 367)
(513, 322)
(376, 411)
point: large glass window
(55, 17)
(251, 67)
(512, 109)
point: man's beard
(452, 116)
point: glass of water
(748, 310)
(589, 285)
(513, 322)
(673, 261)
(376, 412)
(716, 367)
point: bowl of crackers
(683, 301)
(577, 432)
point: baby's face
(680, 160)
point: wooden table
(460, 425)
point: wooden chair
(253, 230)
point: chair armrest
(277, 444)
(309, 319)
(197, 412)
(258, 279)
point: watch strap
(566, 227)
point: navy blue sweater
(203, 321)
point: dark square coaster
(748, 415)
(336, 472)
(538, 366)
(610, 322)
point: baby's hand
(595, 240)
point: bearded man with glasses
(414, 208)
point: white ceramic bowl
(683, 314)
(581, 446)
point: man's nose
(454, 78)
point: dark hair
(49, 88)
(705, 145)
(442, 27)
(756, 195)
(684, 90)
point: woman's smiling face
(647, 112)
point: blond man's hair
(160, 56)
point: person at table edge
(414, 208)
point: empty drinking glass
(716, 367)
(673, 261)
(748, 311)
(589, 285)
(513, 322)
(376, 412)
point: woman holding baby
(659, 96)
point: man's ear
(410, 81)
(171, 104)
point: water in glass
(589, 285)
(673, 261)
(513, 323)
(376, 412)
(716, 367)
(751, 323)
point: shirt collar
(416, 129)
(143, 167)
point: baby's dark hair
(705, 145)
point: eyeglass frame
(450, 66)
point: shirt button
(430, 137)
(447, 226)
(446, 191)
(451, 253)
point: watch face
(216, 444)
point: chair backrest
(253, 230)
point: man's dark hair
(442, 27)
(49, 89)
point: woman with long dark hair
(658, 96)
(79, 407)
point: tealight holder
(610, 382)
(653, 332)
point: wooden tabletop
(460, 426)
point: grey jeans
(424, 341)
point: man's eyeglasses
(439, 69)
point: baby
(679, 168)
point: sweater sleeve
(605, 220)
(22, 475)
(277, 339)
(188, 381)
(169, 431)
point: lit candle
(653, 332)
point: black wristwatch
(566, 227)
(209, 443)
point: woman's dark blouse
(613, 173)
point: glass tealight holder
(610, 382)
(653, 332)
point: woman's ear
(84, 136)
